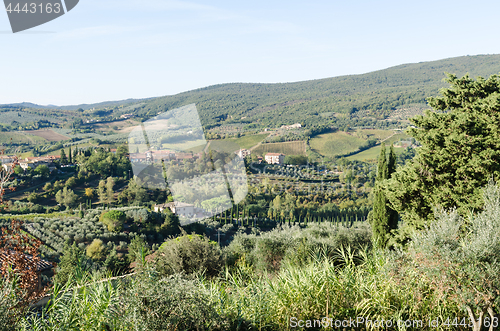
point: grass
(287, 148)
(19, 138)
(337, 143)
(184, 146)
(249, 141)
(371, 155)
(48, 135)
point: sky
(107, 50)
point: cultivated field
(372, 154)
(337, 143)
(121, 126)
(19, 138)
(47, 135)
(287, 148)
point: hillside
(366, 97)
(376, 94)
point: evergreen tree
(459, 153)
(70, 157)
(101, 191)
(64, 159)
(391, 167)
(385, 218)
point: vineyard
(287, 148)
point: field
(249, 141)
(337, 143)
(373, 153)
(23, 117)
(234, 144)
(19, 138)
(122, 126)
(373, 133)
(184, 146)
(47, 135)
(287, 148)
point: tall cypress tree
(380, 215)
(64, 159)
(391, 167)
(70, 157)
(385, 218)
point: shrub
(171, 303)
(189, 254)
(114, 220)
(96, 250)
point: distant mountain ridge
(73, 107)
(376, 94)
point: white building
(243, 153)
(275, 158)
(178, 208)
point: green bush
(189, 254)
(267, 251)
(114, 220)
(171, 303)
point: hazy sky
(118, 49)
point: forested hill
(379, 93)
(375, 94)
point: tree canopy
(459, 153)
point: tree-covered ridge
(374, 95)
(378, 92)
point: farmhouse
(293, 126)
(275, 158)
(178, 208)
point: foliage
(96, 250)
(172, 303)
(460, 151)
(384, 218)
(66, 197)
(189, 254)
(113, 219)
(73, 265)
(268, 251)
(20, 262)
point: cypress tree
(64, 159)
(391, 167)
(380, 222)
